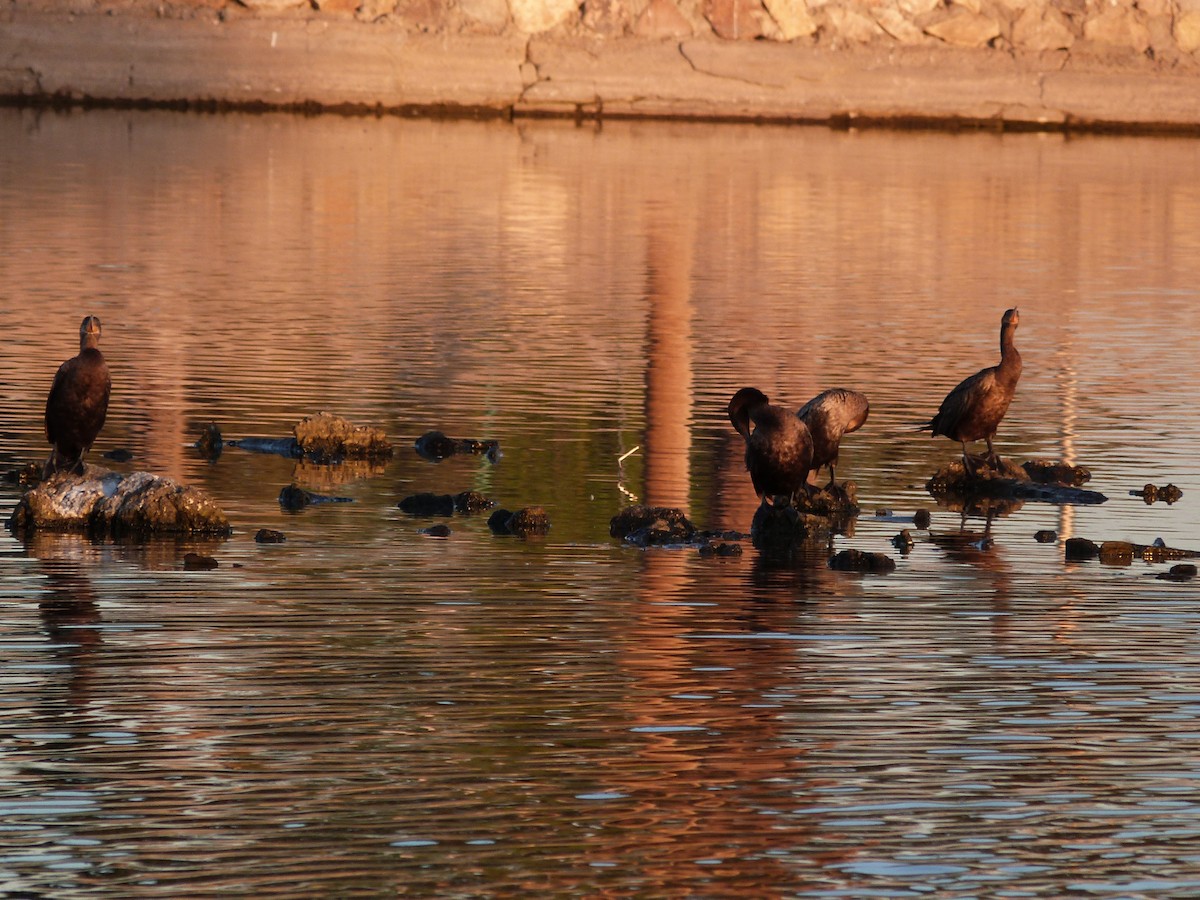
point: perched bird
(77, 403)
(829, 415)
(973, 410)
(779, 450)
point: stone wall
(1164, 30)
(1047, 63)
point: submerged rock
(1045, 536)
(440, 531)
(903, 541)
(529, 520)
(199, 562)
(120, 455)
(922, 519)
(1122, 553)
(1044, 471)
(428, 504)
(295, 497)
(1079, 549)
(209, 443)
(279, 446)
(269, 536)
(104, 502)
(722, 548)
(1004, 480)
(329, 438)
(651, 526)
(1180, 572)
(862, 561)
(436, 446)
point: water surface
(366, 710)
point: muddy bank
(933, 67)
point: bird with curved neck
(829, 416)
(779, 448)
(78, 403)
(973, 410)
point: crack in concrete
(763, 85)
(528, 84)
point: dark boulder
(1003, 480)
(862, 561)
(294, 497)
(721, 548)
(646, 526)
(1179, 572)
(199, 562)
(1079, 549)
(429, 504)
(435, 445)
(1044, 471)
(269, 536)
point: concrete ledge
(345, 64)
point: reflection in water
(361, 709)
(668, 356)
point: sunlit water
(368, 710)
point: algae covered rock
(647, 526)
(436, 446)
(525, 522)
(105, 502)
(329, 438)
(1004, 480)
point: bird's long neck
(1010, 359)
(89, 340)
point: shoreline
(321, 66)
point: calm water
(365, 710)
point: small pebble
(269, 536)
(1046, 536)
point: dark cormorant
(77, 403)
(974, 409)
(829, 415)
(779, 450)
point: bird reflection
(69, 612)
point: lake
(368, 710)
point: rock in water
(646, 526)
(105, 502)
(329, 438)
